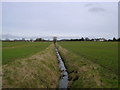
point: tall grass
(37, 71)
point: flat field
(103, 53)
(91, 64)
(14, 50)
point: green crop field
(103, 53)
(93, 61)
(14, 50)
(89, 64)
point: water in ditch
(63, 83)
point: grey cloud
(89, 5)
(96, 9)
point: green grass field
(91, 64)
(14, 50)
(103, 53)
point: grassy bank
(37, 71)
(83, 71)
(14, 50)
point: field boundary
(33, 72)
(83, 70)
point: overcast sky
(66, 19)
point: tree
(54, 40)
(109, 40)
(114, 39)
(82, 39)
(118, 39)
(39, 39)
(87, 39)
(92, 40)
(31, 40)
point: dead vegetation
(38, 71)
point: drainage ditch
(63, 83)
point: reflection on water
(63, 83)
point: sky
(61, 19)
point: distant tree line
(81, 39)
(88, 39)
(24, 40)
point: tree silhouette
(54, 40)
(114, 39)
(82, 39)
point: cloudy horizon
(62, 19)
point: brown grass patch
(38, 71)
